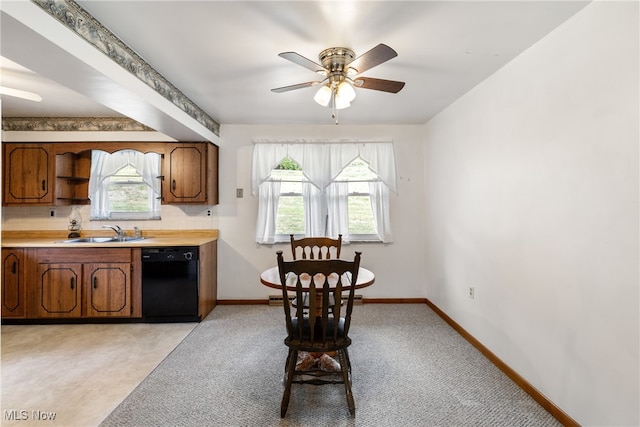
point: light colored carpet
(409, 369)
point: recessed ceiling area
(57, 100)
(223, 56)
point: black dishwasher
(170, 284)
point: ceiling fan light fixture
(346, 91)
(323, 95)
(342, 103)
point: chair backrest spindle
(316, 247)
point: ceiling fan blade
(376, 56)
(296, 58)
(379, 84)
(294, 87)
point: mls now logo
(16, 415)
(23, 415)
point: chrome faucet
(116, 229)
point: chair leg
(289, 373)
(286, 366)
(345, 366)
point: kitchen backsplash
(182, 217)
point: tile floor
(75, 375)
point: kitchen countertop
(152, 238)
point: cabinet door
(13, 283)
(107, 290)
(28, 174)
(185, 171)
(59, 293)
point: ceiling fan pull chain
(334, 115)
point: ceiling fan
(341, 71)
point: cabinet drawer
(82, 255)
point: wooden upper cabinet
(58, 173)
(28, 174)
(190, 174)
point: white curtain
(325, 201)
(104, 164)
(338, 221)
(315, 211)
(378, 192)
(267, 211)
(321, 162)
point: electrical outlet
(52, 213)
(209, 212)
(239, 193)
(472, 292)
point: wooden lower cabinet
(56, 284)
(73, 283)
(107, 290)
(14, 292)
(59, 290)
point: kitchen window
(323, 190)
(124, 185)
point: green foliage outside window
(290, 217)
(128, 192)
(288, 164)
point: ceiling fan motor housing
(335, 61)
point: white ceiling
(223, 55)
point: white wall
(398, 266)
(532, 198)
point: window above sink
(125, 184)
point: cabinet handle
(72, 283)
(44, 185)
(173, 185)
(95, 282)
(14, 267)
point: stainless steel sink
(101, 239)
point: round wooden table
(271, 278)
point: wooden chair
(316, 247)
(325, 329)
